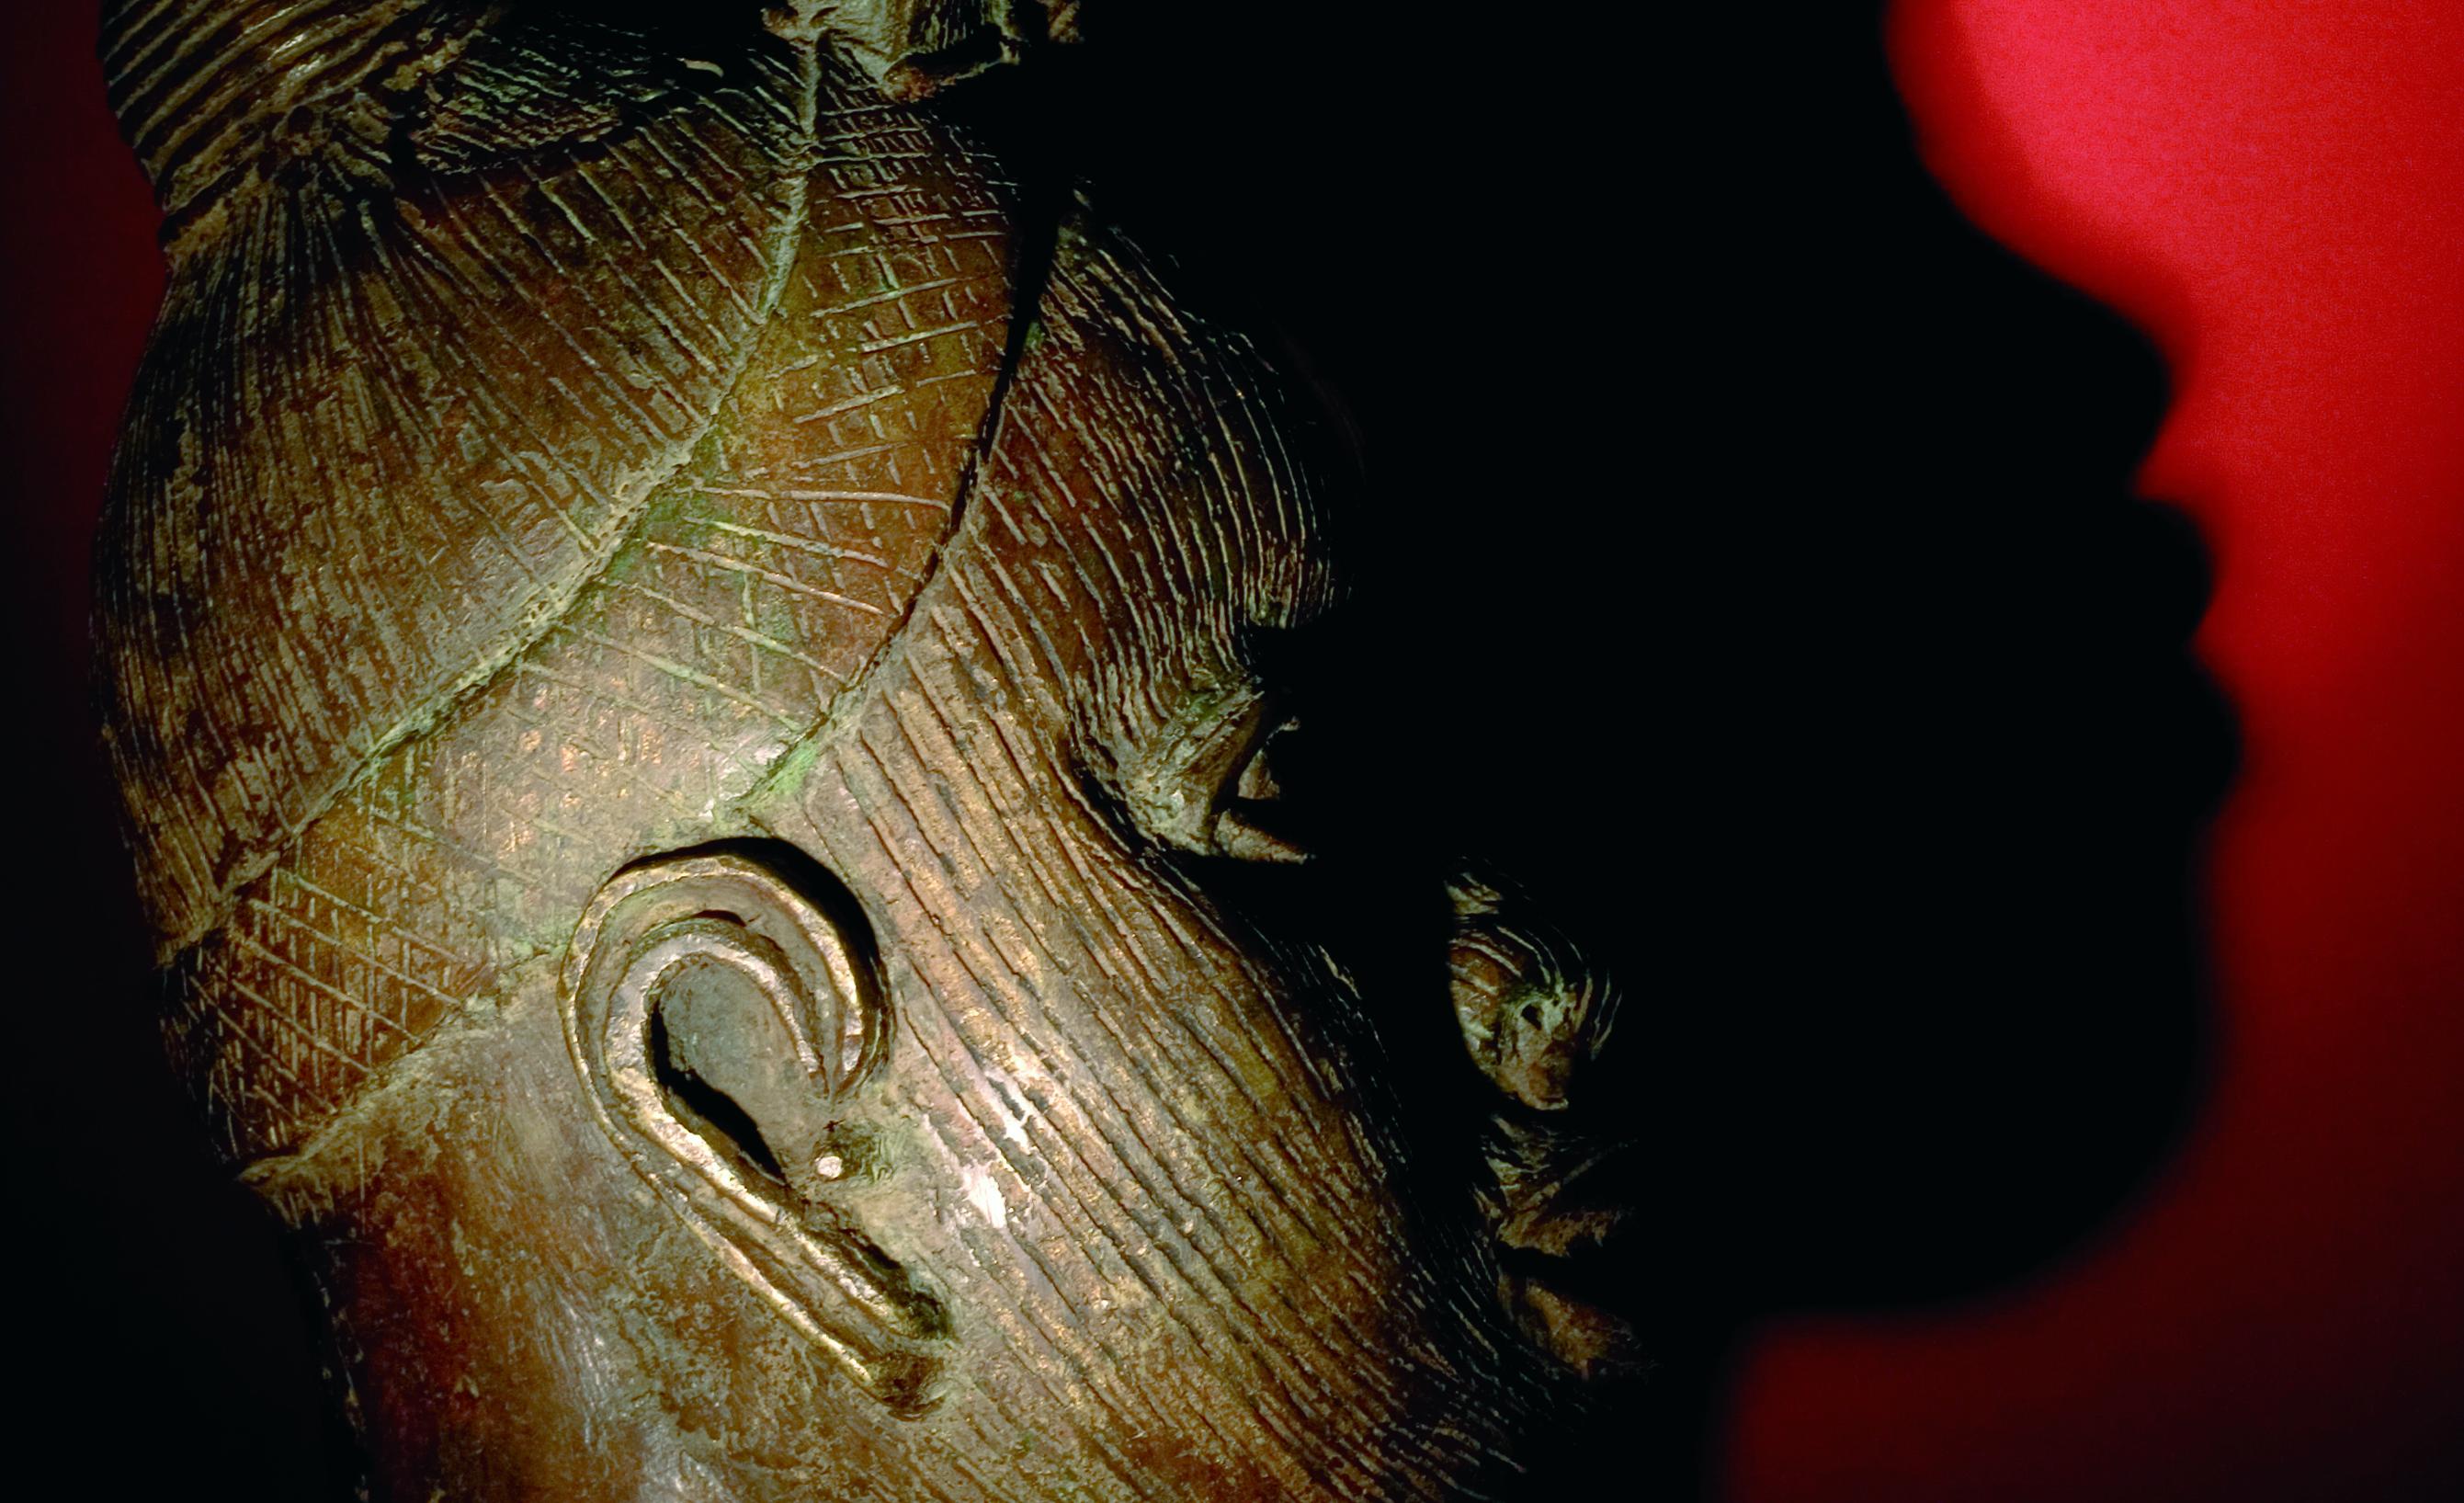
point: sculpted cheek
(1134, 1154)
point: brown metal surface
(679, 656)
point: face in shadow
(1760, 535)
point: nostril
(1533, 1010)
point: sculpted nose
(1535, 1010)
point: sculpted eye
(1207, 782)
(1251, 825)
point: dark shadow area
(166, 1352)
(1747, 559)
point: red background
(2275, 191)
(164, 1352)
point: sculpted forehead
(1153, 485)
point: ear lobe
(722, 1013)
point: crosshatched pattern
(393, 418)
(759, 583)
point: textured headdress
(553, 408)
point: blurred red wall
(82, 278)
(169, 1353)
(2273, 190)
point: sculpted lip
(1536, 1014)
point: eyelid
(1192, 784)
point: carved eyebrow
(1313, 655)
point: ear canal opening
(859, 1014)
(712, 1114)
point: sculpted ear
(724, 1019)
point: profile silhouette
(1950, 756)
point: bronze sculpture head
(683, 655)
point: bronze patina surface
(680, 652)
